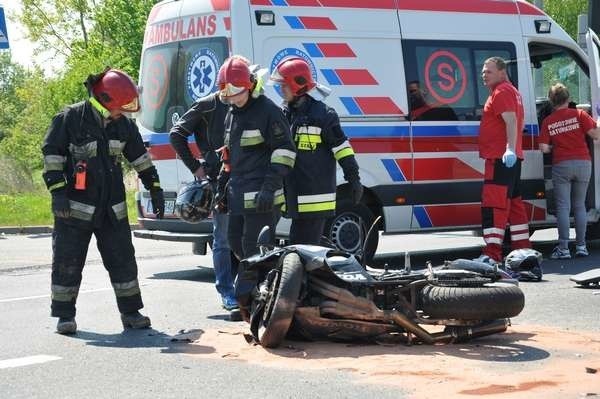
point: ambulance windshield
(174, 75)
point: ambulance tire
(349, 223)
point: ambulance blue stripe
(313, 50)
(354, 131)
(376, 131)
(331, 76)
(279, 3)
(393, 169)
(351, 105)
(422, 216)
(294, 22)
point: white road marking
(25, 298)
(26, 361)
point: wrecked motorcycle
(313, 292)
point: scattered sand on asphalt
(527, 361)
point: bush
(14, 178)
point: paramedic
(564, 134)
(500, 145)
(205, 121)
(310, 189)
(82, 152)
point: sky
(21, 49)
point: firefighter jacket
(80, 140)
(204, 120)
(261, 153)
(311, 187)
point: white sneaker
(560, 253)
(581, 250)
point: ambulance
(406, 81)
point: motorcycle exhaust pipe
(464, 333)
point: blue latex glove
(509, 158)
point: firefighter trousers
(502, 205)
(243, 235)
(307, 231)
(69, 247)
(244, 229)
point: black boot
(135, 320)
(66, 325)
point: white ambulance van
(406, 83)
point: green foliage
(37, 206)
(88, 35)
(12, 76)
(565, 13)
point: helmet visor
(275, 79)
(229, 90)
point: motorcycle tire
(279, 310)
(489, 302)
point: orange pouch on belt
(80, 174)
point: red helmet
(116, 91)
(234, 77)
(294, 72)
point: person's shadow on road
(202, 274)
(147, 338)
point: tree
(12, 77)
(565, 13)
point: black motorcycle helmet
(194, 201)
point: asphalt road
(103, 361)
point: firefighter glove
(509, 158)
(158, 202)
(357, 191)
(60, 205)
(264, 200)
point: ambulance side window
(158, 81)
(552, 64)
(444, 77)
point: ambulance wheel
(348, 228)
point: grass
(33, 209)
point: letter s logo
(446, 72)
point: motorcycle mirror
(371, 230)
(264, 239)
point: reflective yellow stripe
(86, 151)
(64, 294)
(54, 163)
(343, 153)
(142, 163)
(279, 199)
(99, 107)
(247, 141)
(317, 207)
(129, 288)
(156, 184)
(56, 186)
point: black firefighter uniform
(311, 187)
(80, 139)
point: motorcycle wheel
(281, 302)
(489, 302)
(347, 230)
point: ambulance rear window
(175, 75)
(444, 77)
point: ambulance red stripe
(318, 23)
(356, 77)
(336, 50)
(437, 169)
(378, 106)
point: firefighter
(311, 187)
(501, 147)
(205, 120)
(82, 152)
(261, 152)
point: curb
(37, 229)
